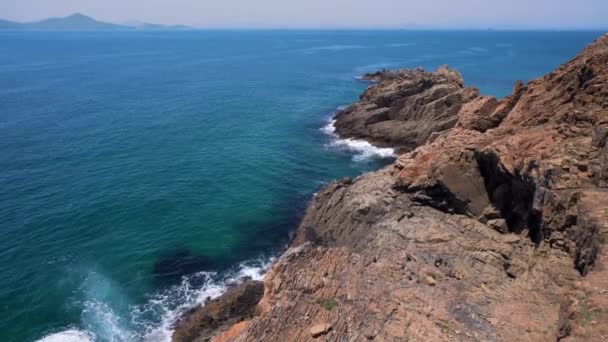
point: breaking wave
(71, 335)
(362, 149)
(103, 320)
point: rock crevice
(489, 226)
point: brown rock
(404, 107)
(319, 329)
(531, 162)
(499, 225)
(477, 114)
(219, 314)
(231, 333)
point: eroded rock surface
(492, 229)
(403, 108)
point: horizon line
(405, 27)
(338, 28)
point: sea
(142, 172)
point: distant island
(79, 22)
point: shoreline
(461, 238)
(287, 165)
(239, 273)
(360, 149)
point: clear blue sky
(327, 13)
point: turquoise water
(140, 171)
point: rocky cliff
(489, 227)
(405, 107)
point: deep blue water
(139, 169)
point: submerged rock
(171, 267)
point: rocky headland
(404, 107)
(489, 226)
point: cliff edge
(490, 227)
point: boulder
(213, 317)
(319, 329)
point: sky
(481, 14)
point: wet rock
(218, 315)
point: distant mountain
(73, 22)
(5, 24)
(80, 22)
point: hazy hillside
(73, 22)
(5, 24)
(79, 22)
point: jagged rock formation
(491, 230)
(216, 315)
(404, 107)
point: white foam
(101, 319)
(330, 128)
(252, 271)
(153, 321)
(172, 303)
(71, 335)
(363, 150)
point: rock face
(490, 229)
(224, 313)
(404, 107)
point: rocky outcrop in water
(216, 316)
(404, 107)
(491, 228)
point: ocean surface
(141, 172)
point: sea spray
(71, 335)
(152, 321)
(362, 149)
(104, 301)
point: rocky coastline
(489, 226)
